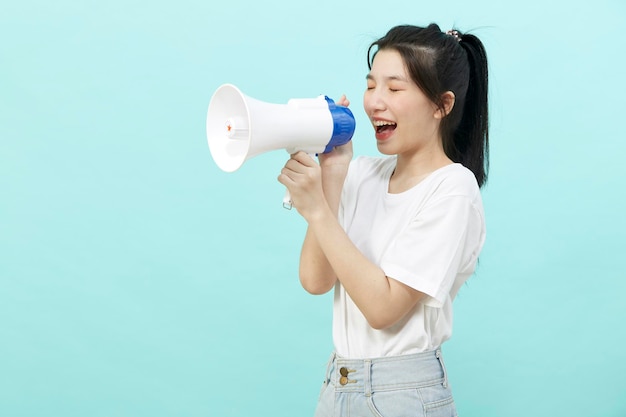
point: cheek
(416, 121)
(366, 100)
(418, 110)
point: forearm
(381, 300)
(316, 274)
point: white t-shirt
(428, 237)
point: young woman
(397, 236)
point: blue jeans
(400, 386)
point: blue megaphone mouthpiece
(343, 125)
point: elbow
(382, 319)
(316, 290)
(317, 286)
(379, 324)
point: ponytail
(472, 134)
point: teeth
(379, 123)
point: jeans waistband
(387, 373)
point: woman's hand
(303, 178)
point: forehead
(388, 63)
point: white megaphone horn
(239, 127)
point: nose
(373, 101)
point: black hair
(439, 62)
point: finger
(343, 101)
(287, 182)
(295, 166)
(303, 158)
(287, 177)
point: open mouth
(383, 126)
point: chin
(384, 148)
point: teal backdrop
(138, 279)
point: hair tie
(455, 34)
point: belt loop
(443, 367)
(368, 377)
(328, 366)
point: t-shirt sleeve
(442, 239)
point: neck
(412, 169)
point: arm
(316, 274)
(328, 250)
(382, 300)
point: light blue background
(137, 279)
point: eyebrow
(388, 78)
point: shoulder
(454, 194)
(364, 169)
(364, 164)
(454, 180)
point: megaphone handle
(287, 204)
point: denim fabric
(399, 386)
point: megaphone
(239, 127)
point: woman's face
(404, 119)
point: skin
(328, 254)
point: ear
(447, 100)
